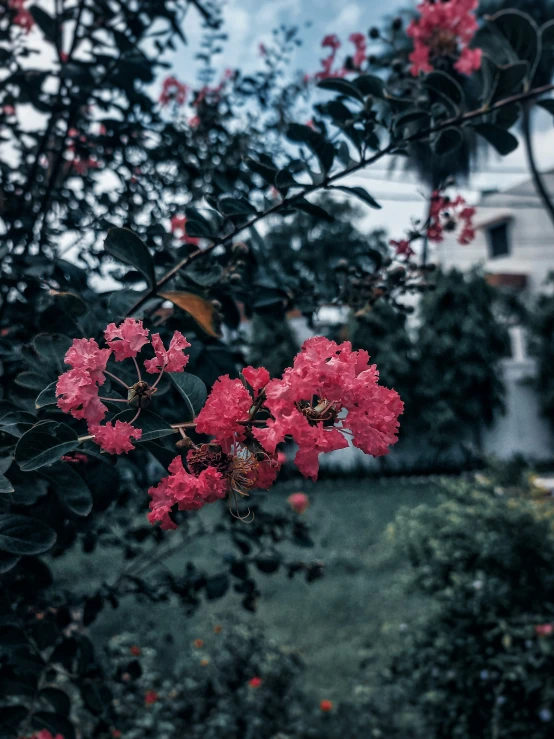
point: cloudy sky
(249, 22)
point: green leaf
(235, 207)
(58, 699)
(45, 22)
(5, 485)
(70, 488)
(547, 35)
(126, 246)
(448, 141)
(316, 141)
(445, 85)
(521, 32)
(370, 84)
(44, 444)
(30, 380)
(192, 390)
(197, 225)
(47, 396)
(55, 723)
(25, 536)
(152, 425)
(52, 347)
(268, 173)
(509, 80)
(359, 192)
(547, 105)
(343, 86)
(312, 209)
(503, 141)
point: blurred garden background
(253, 176)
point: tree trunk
(536, 175)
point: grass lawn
(333, 623)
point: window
(499, 245)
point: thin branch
(287, 202)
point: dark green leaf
(55, 723)
(192, 390)
(58, 699)
(235, 207)
(503, 141)
(47, 396)
(448, 141)
(445, 86)
(268, 173)
(197, 225)
(52, 347)
(359, 192)
(126, 246)
(70, 488)
(24, 536)
(5, 485)
(45, 22)
(370, 84)
(343, 86)
(30, 380)
(547, 105)
(44, 444)
(312, 209)
(520, 31)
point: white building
(515, 246)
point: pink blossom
(349, 403)
(115, 438)
(299, 502)
(127, 339)
(444, 30)
(86, 354)
(75, 458)
(402, 247)
(172, 360)
(544, 629)
(45, 734)
(257, 378)
(77, 394)
(228, 403)
(359, 41)
(173, 91)
(186, 491)
(23, 18)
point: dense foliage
(479, 664)
(121, 211)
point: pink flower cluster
(333, 42)
(44, 734)
(444, 31)
(23, 17)
(446, 215)
(173, 91)
(78, 389)
(329, 395)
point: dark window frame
(496, 249)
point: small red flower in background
(218, 629)
(544, 629)
(444, 30)
(326, 706)
(299, 502)
(359, 41)
(150, 697)
(135, 651)
(402, 247)
(255, 682)
(9, 110)
(198, 643)
(178, 229)
(23, 17)
(116, 734)
(45, 734)
(173, 91)
(446, 214)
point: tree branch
(364, 162)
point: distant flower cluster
(444, 30)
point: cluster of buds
(328, 398)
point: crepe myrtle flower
(78, 389)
